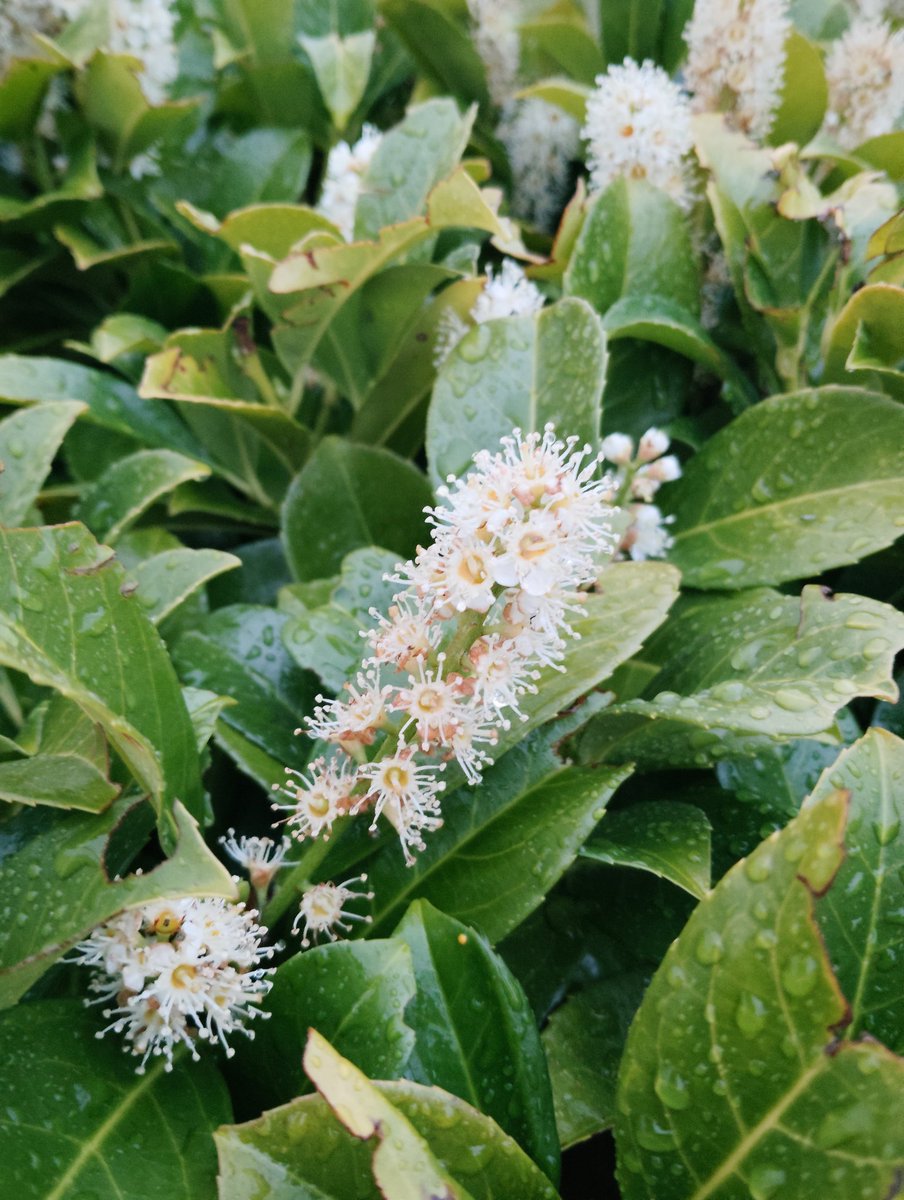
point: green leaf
(733, 1081)
(342, 67)
(653, 319)
(59, 780)
(283, 1151)
(80, 1119)
(584, 1041)
(495, 1063)
(512, 373)
(435, 31)
(502, 845)
(353, 993)
(112, 403)
(750, 666)
(567, 44)
(131, 486)
(864, 335)
(571, 97)
(29, 441)
(670, 839)
(65, 622)
(804, 94)
(795, 485)
(403, 1164)
(272, 229)
(22, 91)
(165, 580)
(860, 918)
(348, 496)
(238, 651)
(55, 868)
(634, 242)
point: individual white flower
(653, 443)
(736, 59)
(407, 792)
(343, 179)
(647, 536)
(260, 857)
(323, 911)
(865, 74)
(500, 676)
(496, 39)
(318, 799)
(617, 448)
(354, 720)
(507, 294)
(181, 972)
(638, 126)
(407, 634)
(541, 142)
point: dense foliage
(273, 271)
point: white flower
(498, 44)
(343, 180)
(322, 909)
(500, 676)
(865, 74)
(617, 448)
(318, 799)
(653, 443)
(736, 59)
(407, 634)
(261, 857)
(407, 791)
(541, 141)
(647, 536)
(354, 720)
(638, 126)
(508, 294)
(181, 971)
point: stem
(469, 623)
(295, 882)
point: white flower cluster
(736, 59)
(639, 477)
(506, 294)
(541, 140)
(865, 74)
(496, 38)
(179, 972)
(638, 125)
(345, 168)
(481, 609)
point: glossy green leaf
(165, 580)
(272, 229)
(238, 652)
(663, 836)
(866, 333)
(29, 441)
(54, 867)
(520, 372)
(283, 1150)
(804, 93)
(22, 91)
(567, 44)
(741, 668)
(634, 242)
(59, 780)
(571, 97)
(796, 484)
(733, 1080)
(584, 1041)
(354, 993)
(860, 918)
(66, 622)
(495, 1062)
(403, 1164)
(81, 1123)
(436, 34)
(342, 66)
(112, 403)
(131, 486)
(348, 496)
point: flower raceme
(479, 611)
